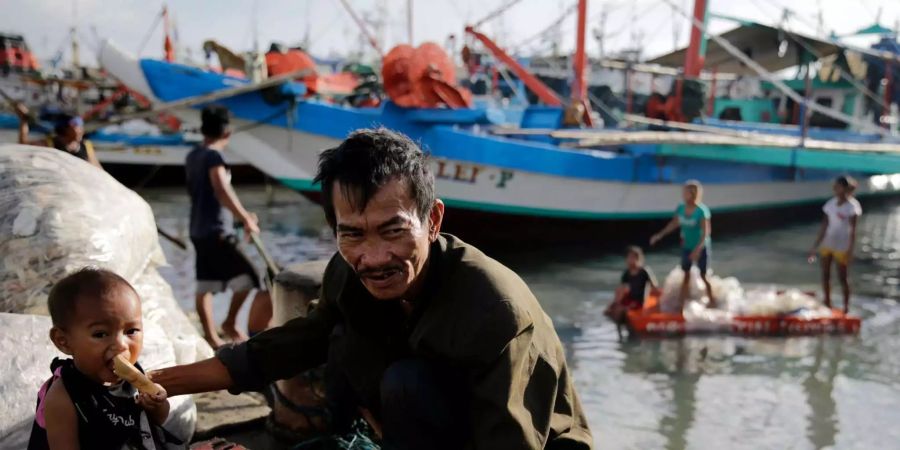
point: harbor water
(707, 392)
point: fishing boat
(534, 179)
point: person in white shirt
(837, 236)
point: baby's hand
(152, 401)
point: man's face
(387, 243)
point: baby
(96, 315)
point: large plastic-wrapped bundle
(728, 292)
(27, 353)
(771, 302)
(732, 300)
(58, 214)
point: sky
(650, 25)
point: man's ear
(435, 218)
(60, 340)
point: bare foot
(233, 333)
(712, 303)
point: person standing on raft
(694, 219)
(837, 236)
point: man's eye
(395, 231)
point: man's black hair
(367, 160)
(89, 282)
(214, 120)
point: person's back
(208, 217)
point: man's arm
(92, 155)
(520, 401)
(229, 199)
(22, 112)
(201, 376)
(277, 353)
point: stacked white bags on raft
(57, 215)
(733, 300)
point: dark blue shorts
(686, 262)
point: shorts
(632, 303)
(221, 265)
(840, 257)
(686, 262)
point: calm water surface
(711, 392)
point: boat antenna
(409, 21)
(362, 27)
(495, 13)
(76, 61)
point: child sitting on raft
(694, 220)
(633, 288)
(837, 235)
(96, 316)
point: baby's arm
(59, 415)
(156, 405)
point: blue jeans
(686, 262)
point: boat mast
(579, 87)
(168, 48)
(693, 60)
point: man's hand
(654, 239)
(251, 224)
(152, 401)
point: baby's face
(102, 328)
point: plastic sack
(732, 300)
(23, 372)
(59, 214)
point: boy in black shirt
(633, 288)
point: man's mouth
(382, 278)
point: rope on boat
(762, 72)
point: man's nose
(375, 253)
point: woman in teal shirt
(693, 218)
